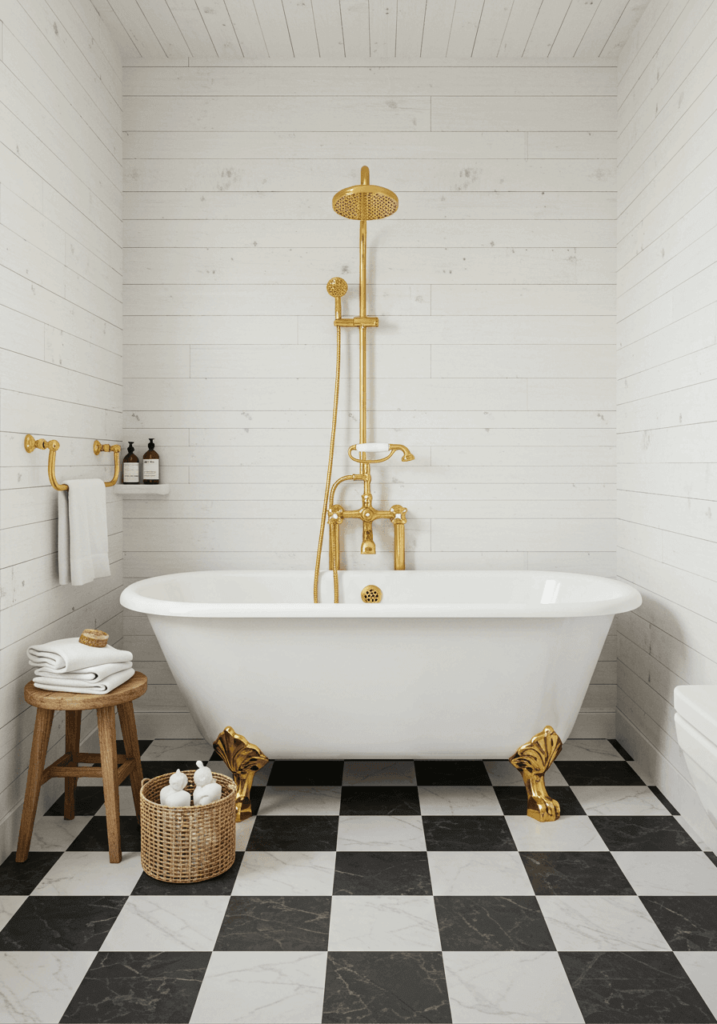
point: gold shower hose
(329, 471)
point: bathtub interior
(483, 588)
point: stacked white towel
(73, 667)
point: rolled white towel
(105, 685)
(69, 655)
(94, 674)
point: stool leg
(40, 740)
(131, 746)
(108, 759)
(72, 747)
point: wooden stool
(113, 767)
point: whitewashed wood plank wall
(61, 343)
(494, 283)
(667, 378)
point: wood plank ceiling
(366, 30)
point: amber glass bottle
(130, 466)
(150, 465)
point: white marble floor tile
(647, 776)
(125, 801)
(52, 833)
(167, 923)
(601, 924)
(243, 833)
(701, 969)
(294, 800)
(286, 873)
(502, 773)
(458, 800)
(89, 873)
(379, 773)
(262, 988)
(184, 752)
(693, 833)
(383, 923)
(36, 988)
(478, 873)
(573, 832)
(627, 800)
(668, 873)
(514, 987)
(589, 750)
(9, 906)
(260, 778)
(381, 832)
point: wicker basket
(187, 844)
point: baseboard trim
(656, 770)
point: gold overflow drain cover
(371, 594)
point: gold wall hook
(52, 446)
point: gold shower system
(362, 202)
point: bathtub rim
(626, 598)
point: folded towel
(106, 685)
(82, 542)
(69, 655)
(95, 674)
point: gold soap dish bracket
(406, 457)
(31, 444)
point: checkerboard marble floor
(376, 892)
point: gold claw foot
(533, 760)
(243, 759)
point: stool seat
(56, 700)
(108, 765)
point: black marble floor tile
(393, 988)
(380, 800)
(61, 923)
(575, 874)
(451, 773)
(621, 832)
(687, 922)
(275, 923)
(492, 923)
(307, 773)
(514, 800)
(88, 800)
(621, 750)
(129, 988)
(300, 832)
(599, 773)
(663, 800)
(382, 873)
(634, 988)
(220, 886)
(94, 835)
(143, 744)
(151, 769)
(467, 832)
(21, 879)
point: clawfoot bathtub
(448, 664)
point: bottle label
(151, 469)
(131, 473)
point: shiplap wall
(60, 308)
(667, 370)
(494, 282)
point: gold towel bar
(31, 444)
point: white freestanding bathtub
(450, 664)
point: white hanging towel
(106, 685)
(69, 655)
(82, 542)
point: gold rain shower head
(365, 201)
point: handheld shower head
(337, 287)
(365, 201)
